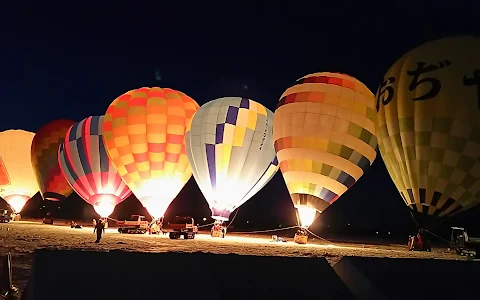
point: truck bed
(128, 223)
(180, 226)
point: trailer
(135, 225)
(182, 226)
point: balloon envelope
(44, 156)
(144, 134)
(85, 165)
(428, 125)
(230, 148)
(324, 134)
(17, 178)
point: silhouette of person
(99, 228)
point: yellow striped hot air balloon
(144, 135)
(428, 125)
(324, 132)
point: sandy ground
(22, 238)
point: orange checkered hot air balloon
(144, 132)
(44, 155)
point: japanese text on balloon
(434, 82)
(385, 87)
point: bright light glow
(17, 177)
(156, 206)
(17, 202)
(236, 168)
(306, 215)
(104, 206)
(226, 197)
(157, 194)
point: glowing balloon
(230, 148)
(17, 178)
(44, 156)
(144, 134)
(324, 134)
(428, 125)
(85, 165)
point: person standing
(99, 228)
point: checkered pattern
(85, 164)
(53, 185)
(437, 172)
(144, 134)
(17, 178)
(324, 133)
(230, 147)
(432, 148)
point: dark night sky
(60, 62)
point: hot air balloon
(85, 165)
(324, 134)
(144, 132)
(44, 157)
(428, 125)
(17, 178)
(230, 148)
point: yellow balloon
(324, 133)
(428, 125)
(17, 177)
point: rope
(437, 235)
(268, 230)
(418, 228)
(318, 237)
(257, 231)
(414, 220)
(271, 230)
(205, 225)
(236, 212)
(197, 226)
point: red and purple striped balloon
(87, 168)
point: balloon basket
(16, 217)
(217, 233)
(218, 230)
(300, 238)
